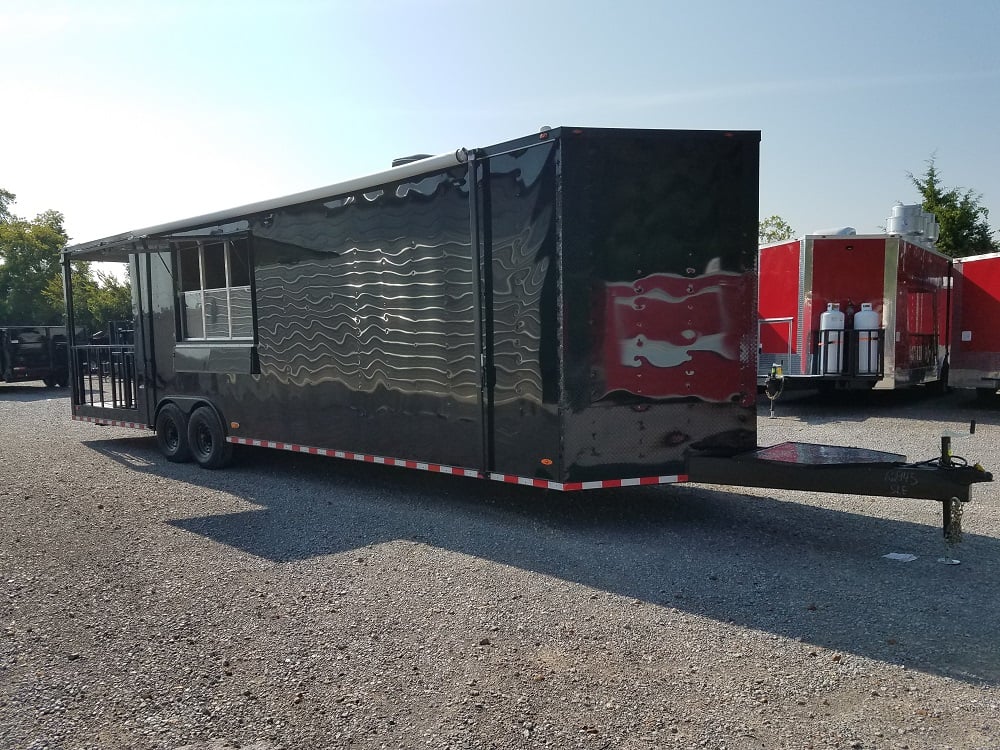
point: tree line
(31, 286)
(960, 213)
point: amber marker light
(546, 462)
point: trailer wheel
(208, 440)
(171, 434)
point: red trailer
(975, 335)
(849, 311)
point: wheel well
(187, 405)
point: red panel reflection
(669, 336)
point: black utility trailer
(34, 353)
(571, 309)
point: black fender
(188, 404)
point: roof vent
(837, 232)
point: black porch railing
(105, 376)
(922, 348)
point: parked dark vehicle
(34, 353)
(568, 310)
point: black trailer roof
(118, 247)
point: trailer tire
(207, 439)
(172, 434)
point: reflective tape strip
(112, 423)
(350, 455)
(595, 485)
(438, 468)
(461, 472)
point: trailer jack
(952, 508)
(774, 385)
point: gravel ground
(302, 602)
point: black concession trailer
(34, 353)
(571, 309)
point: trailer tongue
(857, 471)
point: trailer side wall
(779, 270)
(364, 327)
(975, 340)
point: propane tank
(866, 323)
(831, 326)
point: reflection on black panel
(376, 297)
(522, 199)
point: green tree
(112, 300)
(31, 285)
(773, 229)
(7, 199)
(29, 261)
(964, 221)
(98, 297)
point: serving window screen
(214, 281)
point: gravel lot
(304, 602)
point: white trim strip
(424, 465)
(111, 422)
(471, 473)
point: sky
(127, 114)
